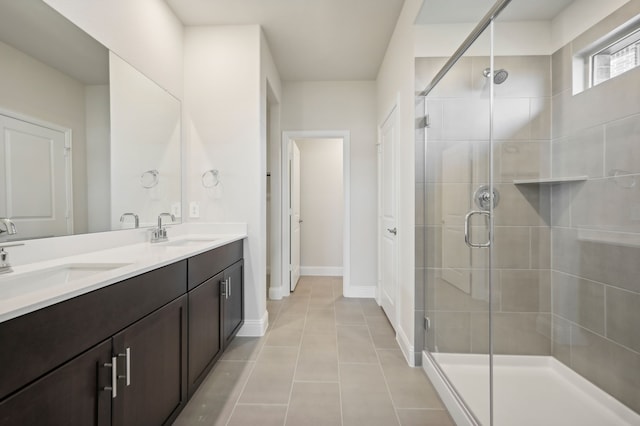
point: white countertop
(130, 260)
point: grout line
(295, 367)
(335, 314)
(384, 376)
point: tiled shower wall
(457, 143)
(596, 229)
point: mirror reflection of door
(35, 176)
(295, 215)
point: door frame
(68, 164)
(394, 109)
(287, 139)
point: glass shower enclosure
(528, 221)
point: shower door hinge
(423, 122)
(427, 323)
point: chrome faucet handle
(5, 266)
(10, 227)
(159, 234)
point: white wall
(349, 105)
(144, 33)
(321, 206)
(226, 74)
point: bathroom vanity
(131, 352)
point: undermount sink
(188, 242)
(44, 279)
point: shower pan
(530, 298)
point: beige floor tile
(256, 414)
(365, 398)
(422, 417)
(214, 400)
(410, 387)
(321, 321)
(355, 344)
(244, 348)
(270, 381)
(318, 360)
(314, 404)
(348, 313)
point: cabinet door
(233, 311)
(156, 347)
(72, 394)
(204, 329)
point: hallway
(325, 360)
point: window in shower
(617, 58)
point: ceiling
(311, 40)
(457, 11)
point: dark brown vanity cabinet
(205, 344)
(233, 301)
(152, 365)
(216, 307)
(162, 330)
(70, 395)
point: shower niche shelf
(549, 181)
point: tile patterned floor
(325, 360)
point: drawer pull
(114, 377)
(127, 357)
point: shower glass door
(456, 184)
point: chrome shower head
(499, 76)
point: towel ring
(150, 178)
(210, 178)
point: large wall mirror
(85, 138)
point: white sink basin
(188, 242)
(46, 279)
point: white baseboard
(321, 271)
(362, 291)
(255, 328)
(406, 347)
(276, 292)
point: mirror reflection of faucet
(5, 266)
(10, 227)
(159, 234)
(136, 220)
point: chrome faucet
(10, 227)
(159, 234)
(136, 220)
(5, 266)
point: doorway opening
(315, 206)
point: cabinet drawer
(36, 343)
(206, 265)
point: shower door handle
(467, 237)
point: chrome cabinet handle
(393, 231)
(223, 288)
(229, 286)
(114, 377)
(127, 357)
(467, 237)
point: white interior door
(388, 218)
(36, 198)
(295, 215)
